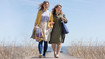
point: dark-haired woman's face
(58, 9)
(46, 6)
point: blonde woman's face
(58, 10)
(46, 6)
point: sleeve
(50, 20)
(36, 21)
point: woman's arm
(64, 18)
(51, 21)
(36, 22)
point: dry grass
(17, 52)
(87, 52)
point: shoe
(44, 56)
(40, 56)
(57, 56)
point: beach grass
(17, 52)
(91, 51)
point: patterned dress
(43, 25)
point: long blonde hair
(41, 5)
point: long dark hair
(41, 5)
(54, 11)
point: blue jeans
(40, 47)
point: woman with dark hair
(44, 20)
(57, 36)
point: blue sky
(86, 19)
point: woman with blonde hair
(44, 21)
(57, 36)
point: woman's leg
(40, 46)
(45, 48)
(54, 49)
(58, 49)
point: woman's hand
(52, 23)
(62, 18)
(34, 28)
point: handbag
(37, 34)
(64, 28)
